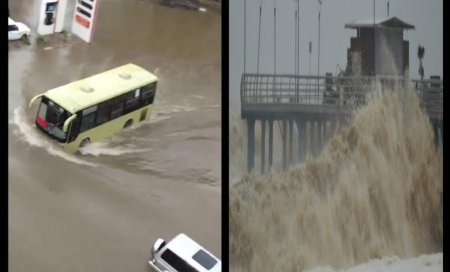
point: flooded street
(102, 211)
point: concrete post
(284, 136)
(291, 142)
(263, 145)
(312, 141)
(301, 139)
(303, 126)
(250, 144)
(270, 143)
(324, 135)
(333, 128)
(436, 134)
(319, 137)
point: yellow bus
(94, 108)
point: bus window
(148, 93)
(103, 113)
(88, 119)
(116, 109)
(132, 101)
(89, 110)
(87, 122)
(74, 129)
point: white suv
(182, 254)
(17, 31)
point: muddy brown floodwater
(102, 211)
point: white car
(17, 31)
(182, 254)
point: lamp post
(374, 45)
(259, 38)
(298, 37)
(388, 7)
(297, 45)
(274, 36)
(310, 50)
(245, 34)
(274, 44)
(318, 50)
(295, 42)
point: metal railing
(431, 96)
(331, 91)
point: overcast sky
(425, 15)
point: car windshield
(176, 262)
(12, 28)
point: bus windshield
(51, 118)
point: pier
(319, 103)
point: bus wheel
(85, 142)
(128, 124)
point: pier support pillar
(301, 139)
(284, 136)
(436, 135)
(263, 145)
(319, 137)
(250, 144)
(270, 143)
(324, 135)
(437, 129)
(333, 128)
(312, 142)
(291, 142)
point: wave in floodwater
(109, 148)
(174, 109)
(157, 117)
(375, 190)
(197, 96)
(114, 146)
(28, 133)
(422, 263)
(165, 111)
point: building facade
(379, 48)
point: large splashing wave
(376, 190)
(27, 133)
(115, 146)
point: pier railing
(340, 92)
(431, 95)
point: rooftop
(387, 22)
(89, 91)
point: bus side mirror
(34, 99)
(67, 122)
